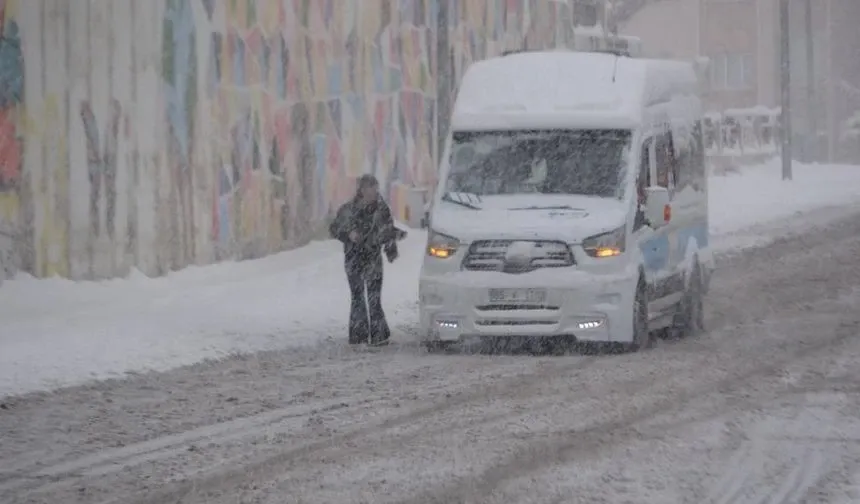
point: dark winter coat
(376, 232)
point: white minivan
(572, 202)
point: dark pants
(366, 318)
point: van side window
(686, 163)
(698, 173)
(665, 160)
(643, 181)
(644, 178)
(691, 161)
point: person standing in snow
(366, 228)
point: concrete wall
(154, 134)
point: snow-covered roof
(566, 88)
(590, 31)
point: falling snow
(290, 377)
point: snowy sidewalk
(56, 332)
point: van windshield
(581, 162)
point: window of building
(732, 71)
(585, 14)
(564, 28)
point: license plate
(517, 295)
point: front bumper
(587, 307)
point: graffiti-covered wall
(13, 220)
(154, 134)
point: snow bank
(757, 195)
(56, 332)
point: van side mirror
(658, 209)
(425, 221)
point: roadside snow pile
(851, 128)
(56, 332)
(757, 195)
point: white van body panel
(592, 299)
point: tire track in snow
(603, 435)
(581, 442)
(396, 440)
(731, 487)
(65, 473)
(747, 475)
(350, 361)
(816, 459)
(796, 484)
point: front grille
(492, 255)
(516, 307)
(497, 323)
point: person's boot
(358, 334)
(380, 334)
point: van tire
(641, 334)
(690, 319)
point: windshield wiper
(551, 207)
(468, 200)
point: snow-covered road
(762, 409)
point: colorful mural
(12, 235)
(102, 172)
(266, 112)
(179, 74)
(310, 95)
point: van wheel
(690, 320)
(641, 334)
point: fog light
(447, 321)
(447, 324)
(590, 324)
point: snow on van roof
(564, 86)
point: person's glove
(391, 252)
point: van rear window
(581, 162)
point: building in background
(838, 74)
(729, 34)
(741, 41)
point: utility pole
(444, 77)
(811, 109)
(785, 84)
(699, 28)
(831, 91)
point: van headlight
(441, 246)
(609, 244)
